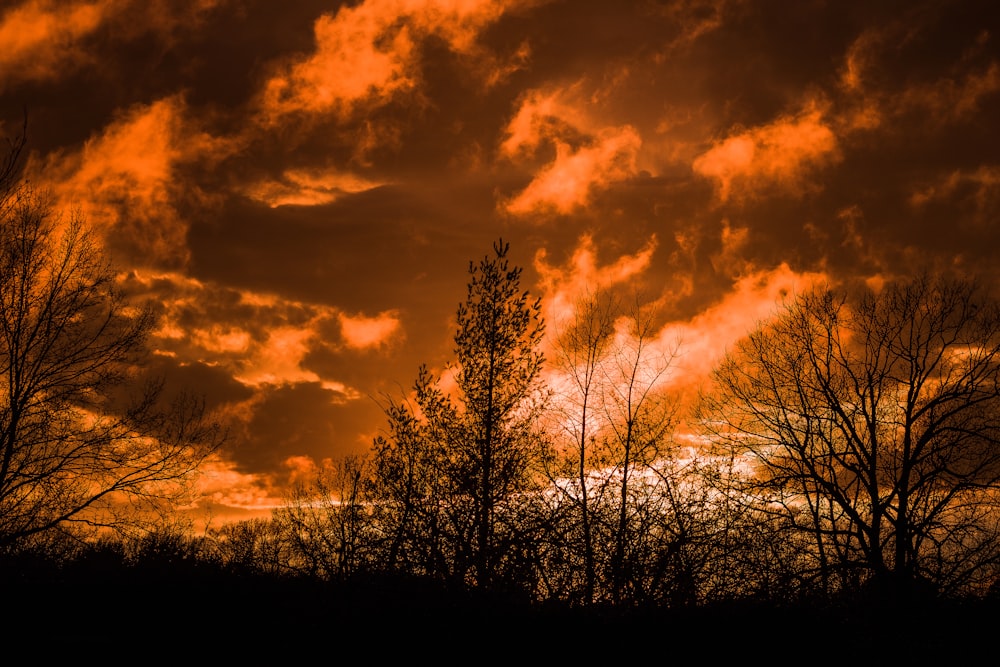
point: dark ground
(162, 612)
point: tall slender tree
(580, 349)
(472, 451)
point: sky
(299, 187)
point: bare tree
(579, 351)
(639, 417)
(72, 450)
(617, 476)
(872, 422)
(254, 546)
(328, 522)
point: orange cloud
(44, 39)
(124, 178)
(729, 260)
(980, 186)
(680, 355)
(259, 338)
(951, 99)
(40, 38)
(278, 359)
(779, 153)
(706, 337)
(308, 187)
(220, 485)
(568, 182)
(362, 332)
(367, 53)
(544, 116)
(944, 100)
(563, 288)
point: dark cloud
(304, 420)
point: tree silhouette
(458, 466)
(872, 421)
(579, 350)
(72, 451)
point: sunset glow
(298, 188)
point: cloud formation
(124, 179)
(307, 187)
(781, 154)
(363, 333)
(299, 187)
(369, 53)
(41, 38)
(587, 158)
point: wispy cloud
(368, 53)
(781, 154)
(124, 179)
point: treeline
(845, 450)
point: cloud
(880, 93)
(308, 187)
(754, 297)
(563, 288)
(277, 360)
(545, 116)
(48, 39)
(975, 189)
(729, 260)
(952, 98)
(362, 332)
(693, 20)
(221, 484)
(568, 182)
(588, 156)
(780, 154)
(368, 54)
(679, 355)
(261, 339)
(125, 180)
(41, 38)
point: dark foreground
(163, 612)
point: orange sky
(301, 186)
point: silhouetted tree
(460, 464)
(328, 522)
(72, 452)
(636, 521)
(640, 419)
(871, 421)
(255, 546)
(579, 350)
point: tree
(632, 509)
(579, 349)
(72, 451)
(328, 521)
(871, 420)
(639, 417)
(460, 465)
